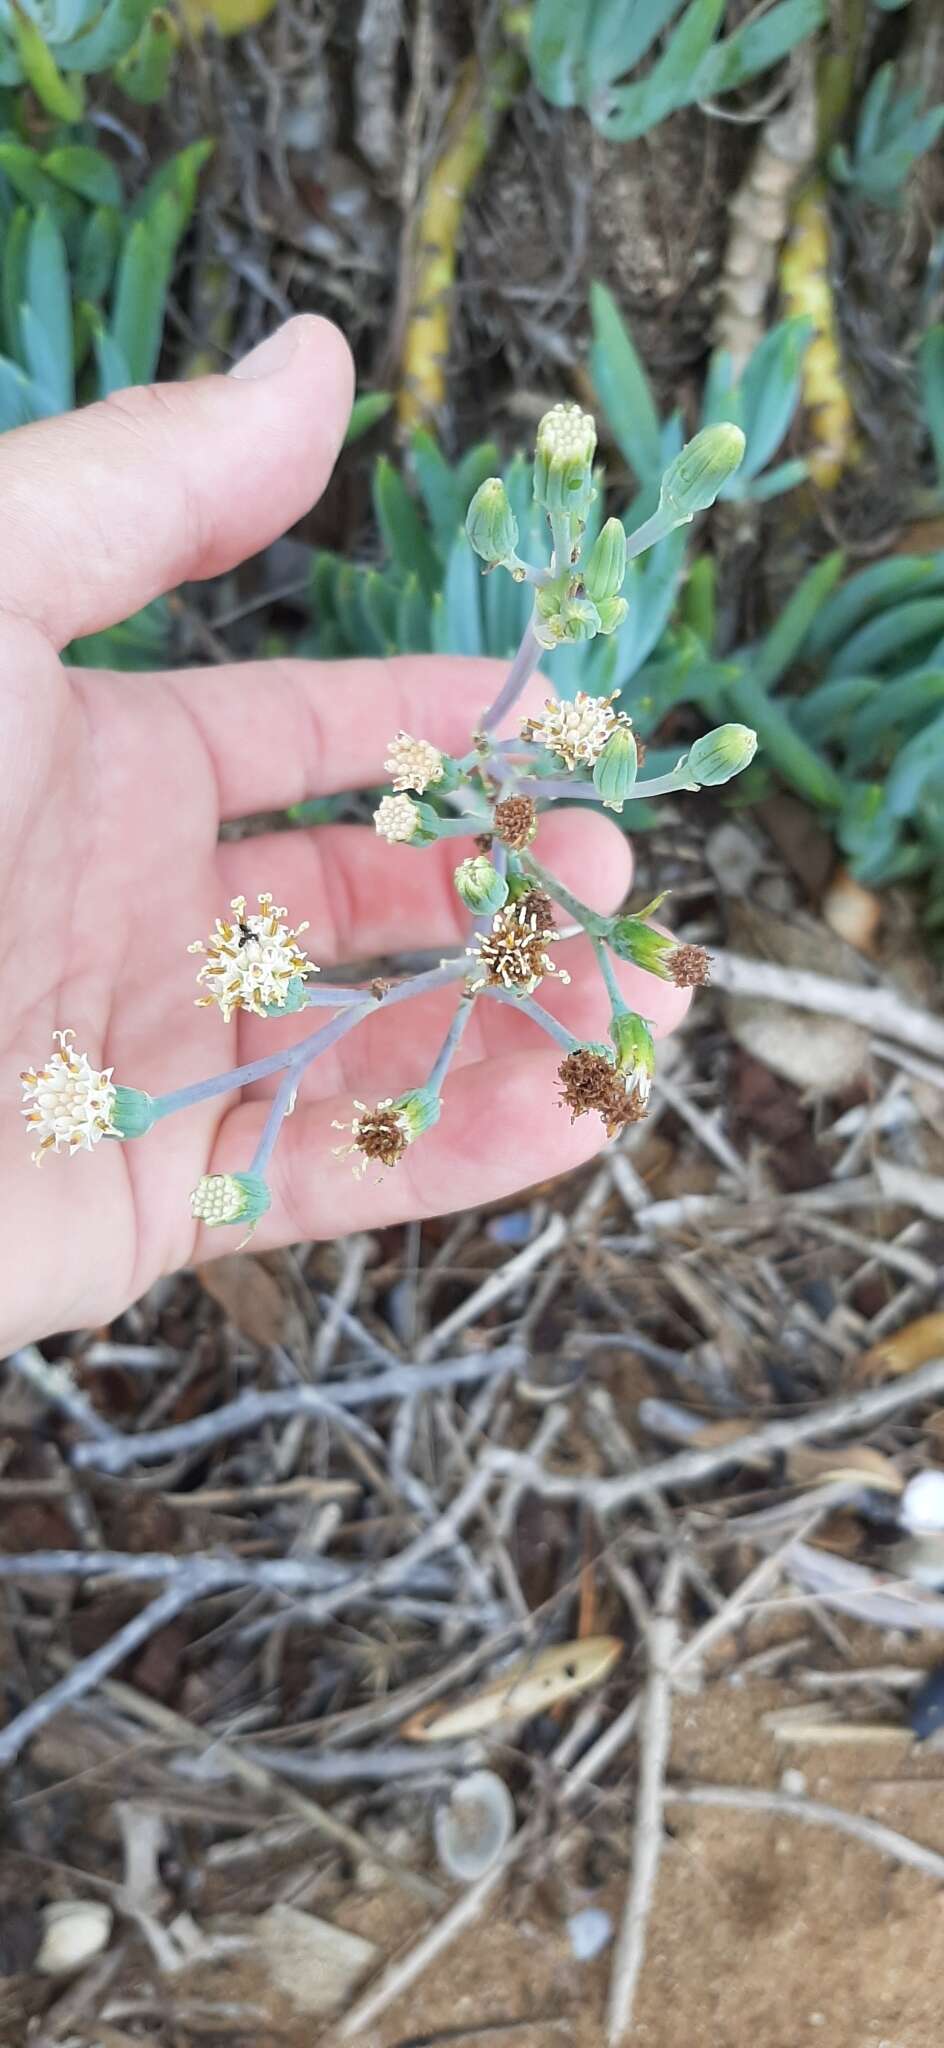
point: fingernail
(270, 356)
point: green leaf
(365, 413)
(824, 713)
(756, 46)
(144, 70)
(438, 486)
(413, 620)
(379, 596)
(896, 705)
(872, 590)
(795, 761)
(140, 294)
(558, 36)
(65, 102)
(769, 390)
(17, 397)
(178, 180)
(97, 254)
(458, 626)
(111, 34)
(23, 167)
(669, 84)
(921, 761)
(403, 531)
(46, 318)
(15, 246)
(114, 372)
(893, 634)
(482, 461)
(623, 388)
(785, 476)
(85, 171)
(620, 34)
(782, 644)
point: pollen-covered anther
(576, 730)
(68, 1104)
(592, 1083)
(413, 764)
(690, 966)
(513, 953)
(252, 960)
(516, 822)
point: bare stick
(654, 1738)
(851, 1412)
(401, 1974)
(874, 1833)
(876, 1009)
(84, 1676)
(497, 1285)
(248, 1411)
(54, 1385)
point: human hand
(114, 788)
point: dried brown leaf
(254, 1299)
(910, 1347)
(805, 1464)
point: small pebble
(516, 1226)
(74, 1930)
(794, 1783)
(589, 1932)
(921, 1508)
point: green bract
(49, 44)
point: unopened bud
(612, 611)
(605, 566)
(563, 462)
(615, 769)
(630, 938)
(721, 754)
(635, 1051)
(482, 889)
(418, 1111)
(692, 482)
(491, 524)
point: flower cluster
(254, 961)
(496, 796)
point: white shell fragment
(74, 1932)
(314, 1964)
(922, 1504)
(589, 1931)
(473, 1829)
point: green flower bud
(519, 884)
(223, 1198)
(417, 1112)
(563, 462)
(615, 768)
(721, 754)
(558, 620)
(605, 566)
(632, 939)
(491, 524)
(635, 1051)
(132, 1112)
(612, 610)
(579, 619)
(692, 482)
(482, 889)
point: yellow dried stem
(760, 217)
(528, 1687)
(806, 288)
(480, 99)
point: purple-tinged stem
(279, 1109)
(450, 1043)
(527, 1007)
(522, 668)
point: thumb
(109, 507)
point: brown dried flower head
(591, 1082)
(690, 966)
(516, 821)
(513, 953)
(381, 1133)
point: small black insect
(245, 934)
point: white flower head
(576, 730)
(252, 960)
(513, 953)
(396, 819)
(69, 1104)
(413, 764)
(221, 1198)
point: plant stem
(587, 792)
(522, 668)
(662, 523)
(527, 1007)
(444, 1057)
(580, 912)
(279, 1108)
(605, 964)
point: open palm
(113, 791)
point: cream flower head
(396, 819)
(513, 953)
(577, 730)
(252, 960)
(69, 1105)
(413, 764)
